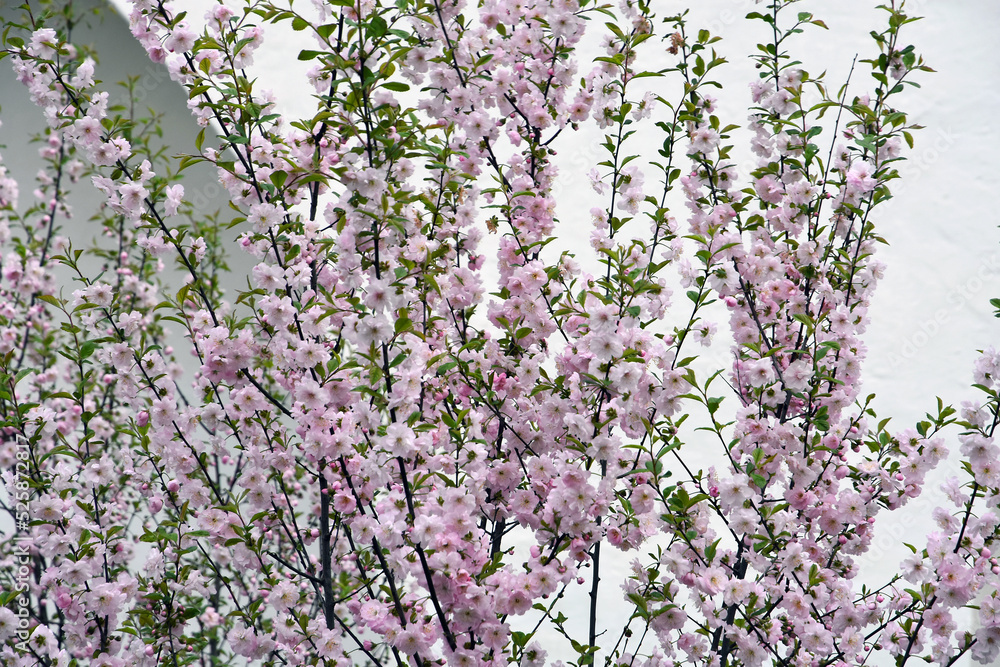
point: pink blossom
(860, 176)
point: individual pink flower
(174, 197)
(263, 216)
(181, 38)
(860, 177)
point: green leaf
(279, 178)
(444, 368)
(48, 298)
(378, 27)
(638, 600)
(21, 374)
(710, 550)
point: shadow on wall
(120, 58)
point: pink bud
(173, 485)
(142, 418)
(150, 650)
(842, 539)
(156, 504)
(880, 598)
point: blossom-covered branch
(425, 420)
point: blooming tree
(380, 458)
